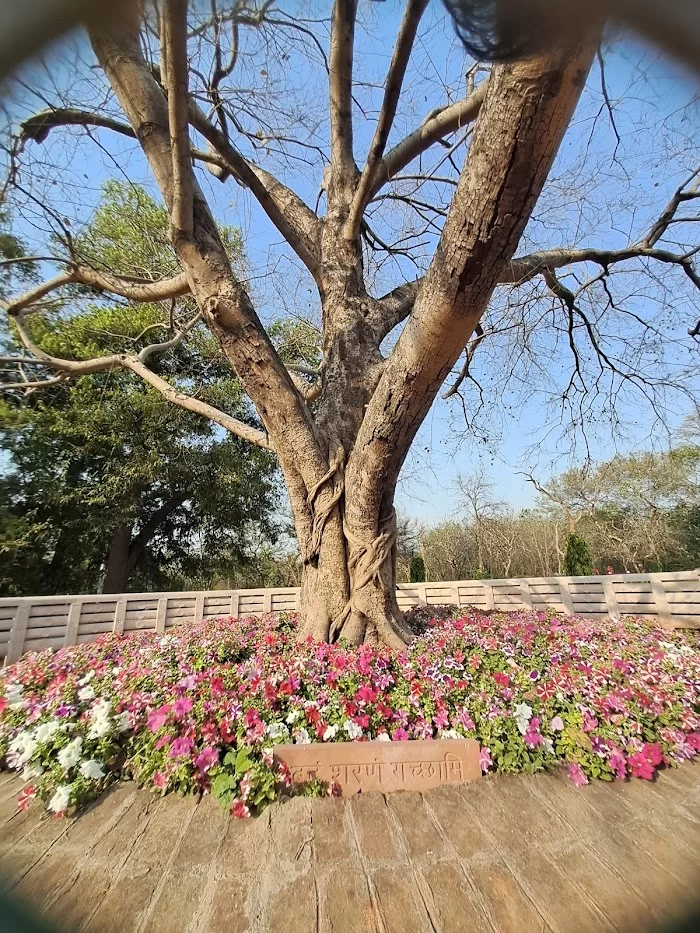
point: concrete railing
(33, 623)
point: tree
(341, 433)
(417, 570)
(577, 558)
(106, 483)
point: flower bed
(200, 708)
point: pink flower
(157, 718)
(239, 810)
(576, 774)
(464, 719)
(160, 780)
(182, 707)
(334, 789)
(366, 694)
(532, 738)
(245, 786)
(267, 756)
(285, 774)
(641, 766)
(400, 735)
(485, 760)
(441, 719)
(653, 753)
(618, 764)
(694, 740)
(207, 758)
(503, 680)
(557, 724)
(181, 747)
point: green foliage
(103, 453)
(417, 569)
(577, 559)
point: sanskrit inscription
(383, 766)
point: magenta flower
(618, 764)
(485, 760)
(157, 718)
(182, 707)
(576, 774)
(400, 735)
(239, 810)
(160, 780)
(181, 747)
(206, 759)
(640, 766)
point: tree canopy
(108, 484)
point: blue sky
(597, 196)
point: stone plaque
(383, 766)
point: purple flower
(534, 676)
(181, 747)
(207, 758)
(182, 707)
(485, 759)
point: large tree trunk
(118, 566)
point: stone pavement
(504, 854)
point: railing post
(71, 636)
(566, 595)
(267, 601)
(199, 608)
(235, 600)
(18, 632)
(490, 603)
(161, 614)
(660, 600)
(526, 594)
(611, 598)
(119, 616)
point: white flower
(99, 714)
(87, 678)
(330, 733)
(302, 737)
(60, 800)
(13, 694)
(101, 708)
(293, 716)
(123, 722)
(548, 746)
(87, 693)
(450, 734)
(21, 749)
(46, 730)
(115, 671)
(352, 730)
(383, 737)
(32, 771)
(277, 730)
(99, 729)
(69, 756)
(522, 714)
(92, 770)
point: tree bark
(117, 568)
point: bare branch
(526, 267)
(137, 365)
(464, 372)
(433, 128)
(392, 91)
(131, 289)
(296, 222)
(394, 307)
(175, 57)
(340, 81)
(38, 126)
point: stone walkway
(505, 854)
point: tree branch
(137, 365)
(526, 267)
(131, 289)
(434, 127)
(175, 57)
(340, 86)
(393, 308)
(296, 222)
(392, 91)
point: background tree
(577, 558)
(417, 569)
(107, 485)
(342, 433)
